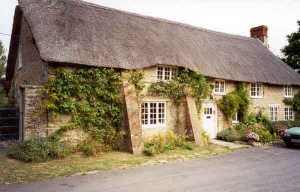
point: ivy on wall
(185, 83)
(294, 102)
(92, 98)
(235, 102)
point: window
(166, 73)
(256, 90)
(288, 91)
(288, 114)
(235, 118)
(153, 114)
(274, 112)
(219, 87)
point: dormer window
(288, 91)
(219, 87)
(256, 90)
(165, 73)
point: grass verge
(12, 171)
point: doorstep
(230, 145)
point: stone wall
(34, 119)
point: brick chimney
(261, 33)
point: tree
(2, 59)
(292, 50)
(3, 99)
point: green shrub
(162, 143)
(204, 138)
(91, 148)
(38, 150)
(231, 134)
(264, 135)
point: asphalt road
(274, 169)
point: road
(273, 169)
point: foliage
(252, 137)
(292, 50)
(135, 78)
(91, 97)
(2, 59)
(91, 147)
(235, 102)
(38, 150)
(254, 124)
(294, 102)
(264, 135)
(280, 127)
(162, 143)
(231, 134)
(3, 98)
(204, 138)
(186, 83)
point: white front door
(209, 121)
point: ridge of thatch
(77, 32)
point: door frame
(214, 113)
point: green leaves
(292, 50)
(91, 96)
(235, 102)
(186, 82)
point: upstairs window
(288, 114)
(153, 114)
(274, 108)
(165, 73)
(219, 87)
(288, 91)
(256, 90)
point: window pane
(167, 73)
(160, 73)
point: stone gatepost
(33, 121)
(132, 116)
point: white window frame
(288, 91)
(235, 118)
(257, 89)
(165, 73)
(160, 116)
(218, 89)
(289, 114)
(274, 112)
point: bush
(231, 134)
(162, 143)
(38, 150)
(91, 148)
(264, 135)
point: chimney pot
(261, 33)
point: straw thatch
(73, 31)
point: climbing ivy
(90, 96)
(135, 78)
(294, 102)
(185, 83)
(235, 102)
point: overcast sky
(230, 16)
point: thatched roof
(73, 31)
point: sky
(229, 16)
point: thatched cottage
(58, 33)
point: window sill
(288, 96)
(220, 93)
(153, 126)
(256, 97)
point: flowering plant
(252, 137)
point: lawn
(12, 171)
